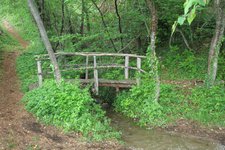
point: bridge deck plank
(108, 83)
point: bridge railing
(95, 65)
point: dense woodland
(183, 42)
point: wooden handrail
(94, 66)
(90, 54)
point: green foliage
(185, 64)
(139, 103)
(190, 7)
(208, 105)
(174, 102)
(71, 108)
(26, 69)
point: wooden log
(126, 67)
(95, 76)
(139, 70)
(40, 74)
(86, 74)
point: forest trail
(15, 34)
(19, 130)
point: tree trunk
(45, 39)
(154, 25)
(42, 8)
(88, 20)
(216, 42)
(119, 22)
(104, 24)
(60, 44)
(82, 19)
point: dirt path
(15, 34)
(19, 130)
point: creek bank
(192, 128)
(158, 138)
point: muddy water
(142, 139)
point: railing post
(126, 67)
(139, 69)
(95, 76)
(40, 75)
(86, 74)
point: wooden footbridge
(93, 67)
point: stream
(138, 138)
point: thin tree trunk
(119, 22)
(62, 24)
(104, 24)
(42, 7)
(88, 20)
(82, 19)
(63, 17)
(71, 30)
(154, 25)
(216, 42)
(184, 38)
(45, 39)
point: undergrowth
(200, 104)
(139, 103)
(208, 105)
(180, 64)
(71, 108)
(27, 69)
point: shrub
(71, 108)
(209, 104)
(183, 64)
(139, 103)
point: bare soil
(19, 130)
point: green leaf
(187, 5)
(202, 2)
(181, 20)
(191, 15)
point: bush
(139, 103)
(209, 105)
(71, 108)
(26, 69)
(177, 64)
(173, 101)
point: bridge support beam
(139, 70)
(40, 77)
(126, 67)
(86, 74)
(96, 84)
